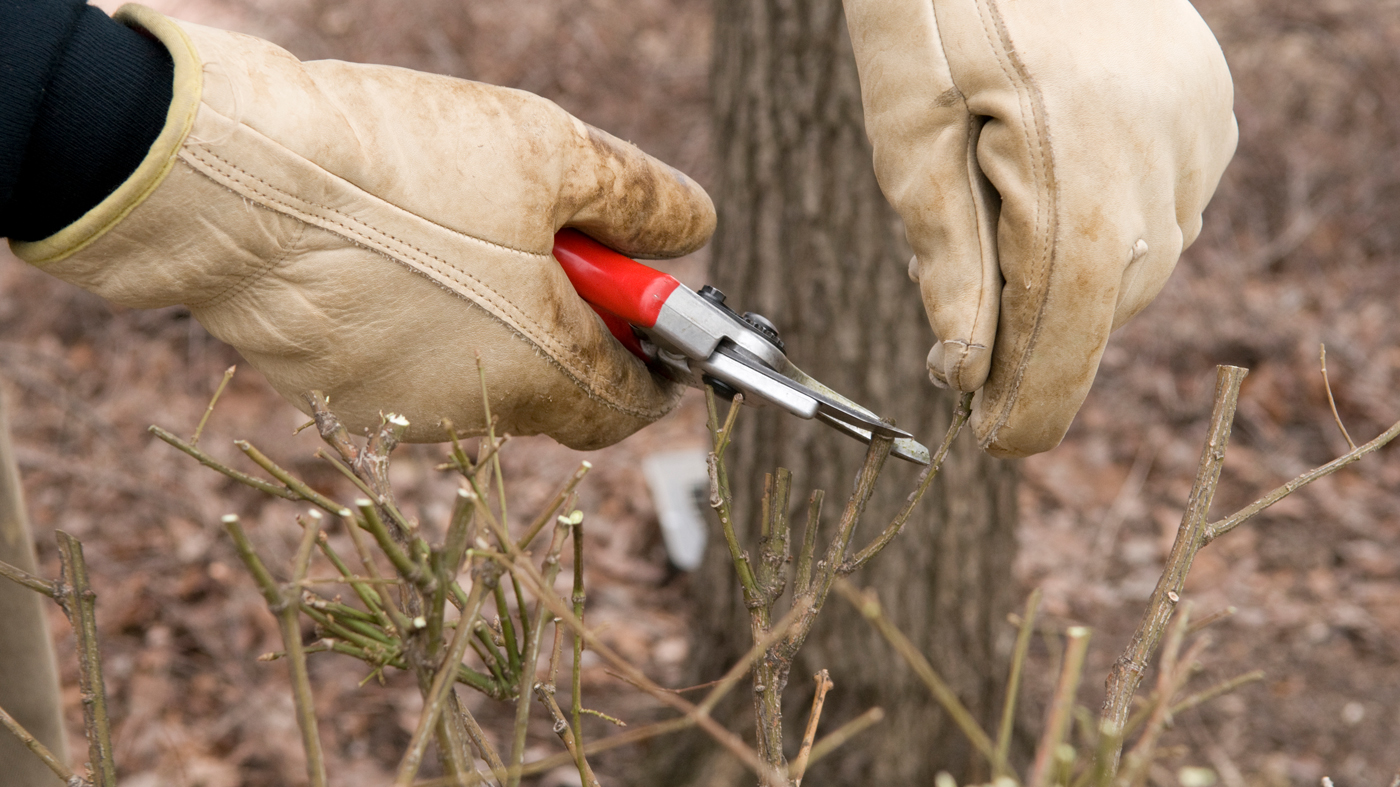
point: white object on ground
(679, 482)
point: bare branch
(868, 604)
(1223, 526)
(80, 605)
(561, 728)
(199, 430)
(436, 699)
(547, 513)
(960, 416)
(1331, 401)
(1013, 684)
(40, 750)
(841, 735)
(1128, 671)
(214, 464)
(288, 626)
(37, 584)
(332, 431)
(1061, 708)
(799, 765)
(1220, 689)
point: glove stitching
(238, 287)
(1045, 221)
(551, 346)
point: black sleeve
(81, 100)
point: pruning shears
(694, 338)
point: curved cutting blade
(817, 400)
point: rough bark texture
(806, 238)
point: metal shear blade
(828, 404)
(906, 447)
(803, 395)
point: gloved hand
(366, 231)
(1050, 162)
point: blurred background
(1301, 247)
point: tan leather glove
(1050, 161)
(366, 231)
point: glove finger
(960, 281)
(925, 159)
(629, 200)
(1100, 190)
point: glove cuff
(159, 160)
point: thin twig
(960, 416)
(1331, 401)
(578, 598)
(1061, 707)
(809, 737)
(214, 464)
(531, 657)
(414, 572)
(311, 532)
(1172, 674)
(833, 563)
(40, 750)
(718, 690)
(561, 728)
(1013, 685)
(839, 736)
(803, 582)
(289, 627)
(1223, 526)
(725, 433)
(80, 605)
(611, 742)
(37, 584)
(868, 604)
(294, 484)
(1211, 619)
(491, 436)
(1219, 689)
(199, 430)
(436, 698)
(720, 497)
(483, 746)
(730, 741)
(547, 513)
(396, 622)
(461, 532)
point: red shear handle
(611, 282)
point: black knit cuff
(84, 98)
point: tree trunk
(806, 238)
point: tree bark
(806, 238)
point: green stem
(437, 695)
(214, 464)
(507, 630)
(290, 629)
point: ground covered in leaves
(1300, 249)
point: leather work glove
(1050, 161)
(367, 231)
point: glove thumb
(631, 201)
